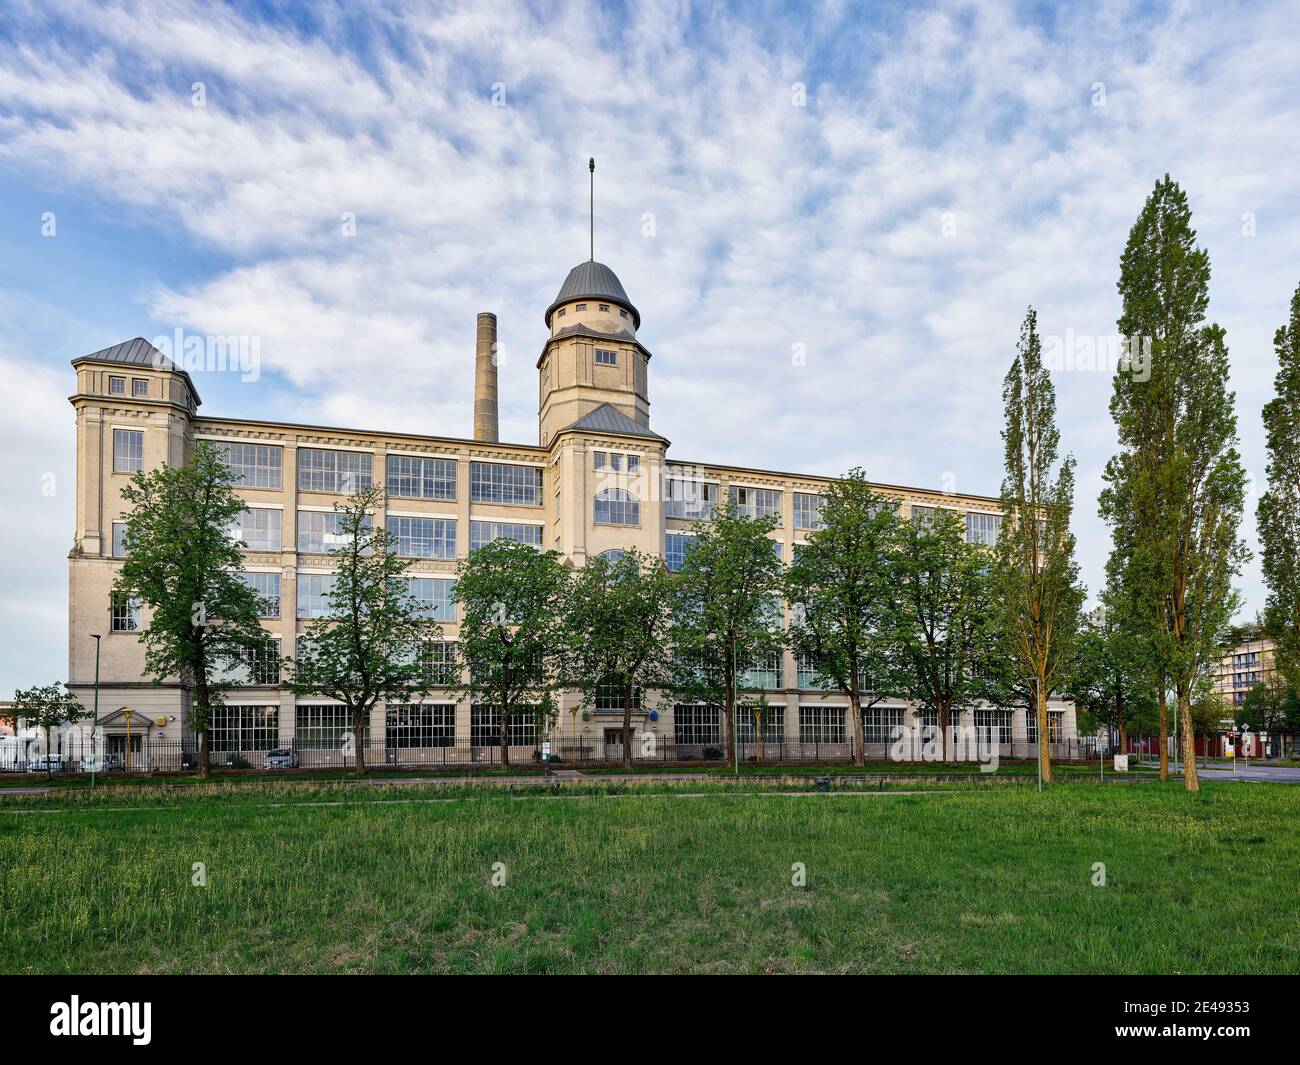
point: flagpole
(591, 218)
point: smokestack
(485, 378)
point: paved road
(1257, 771)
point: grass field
(653, 878)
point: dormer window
(582, 306)
(606, 358)
(560, 313)
(622, 313)
(139, 387)
(604, 307)
(117, 386)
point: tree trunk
(1164, 735)
(359, 737)
(505, 733)
(627, 726)
(1191, 781)
(758, 735)
(855, 708)
(1044, 732)
(1121, 725)
(943, 716)
(203, 716)
(729, 712)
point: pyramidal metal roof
(607, 419)
(137, 352)
(593, 280)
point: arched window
(612, 555)
(614, 506)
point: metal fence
(178, 756)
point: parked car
(282, 758)
(45, 763)
(109, 763)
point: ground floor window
(998, 721)
(693, 724)
(821, 724)
(420, 725)
(324, 727)
(773, 724)
(1055, 726)
(244, 728)
(485, 727)
(879, 722)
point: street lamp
(126, 713)
(94, 735)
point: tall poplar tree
(1036, 579)
(1278, 512)
(1176, 489)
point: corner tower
(592, 357)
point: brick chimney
(485, 378)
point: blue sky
(884, 188)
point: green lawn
(979, 878)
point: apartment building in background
(1250, 662)
(599, 480)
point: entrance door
(614, 744)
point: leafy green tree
(727, 613)
(511, 599)
(841, 585)
(615, 631)
(1108, 678)
(947, 641)
(1271, 706)
(367, 646)
(182, 563)
(1036, 579)
(1176, 489)
(1278, 512)
(47, 708)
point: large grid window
(696, 500)
(420, 725)
(983, 528)
(259, 528)
(125, 615)
(879, 723)
(696, 724)
(244, 728)
(423, 537)
(807, 674)
(1055, 726)
(262, 663)
(609, 696)
(485, 727)
(807, 511)
(438, 662)
(763, 673)
(340, 472)
(253, 465)
(436, 595)
(415, 478)
(998, 721)
(756, 502)
(821, 724)
(325, 726)
(500, 482)
(614, 506)
(267, 588)
(321, 530)
(675, 547)
(314, 591)
(128, 450)
(930, 721)
(773, 724)
(484, 532)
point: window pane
(253, 465)
(613, 506)
(340, 472)
(498, 482)
(419, 478)
(423, 537)
(484, 532)
(259, 528)
(128, 450)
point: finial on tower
(591, 168)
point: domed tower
(592, 357)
